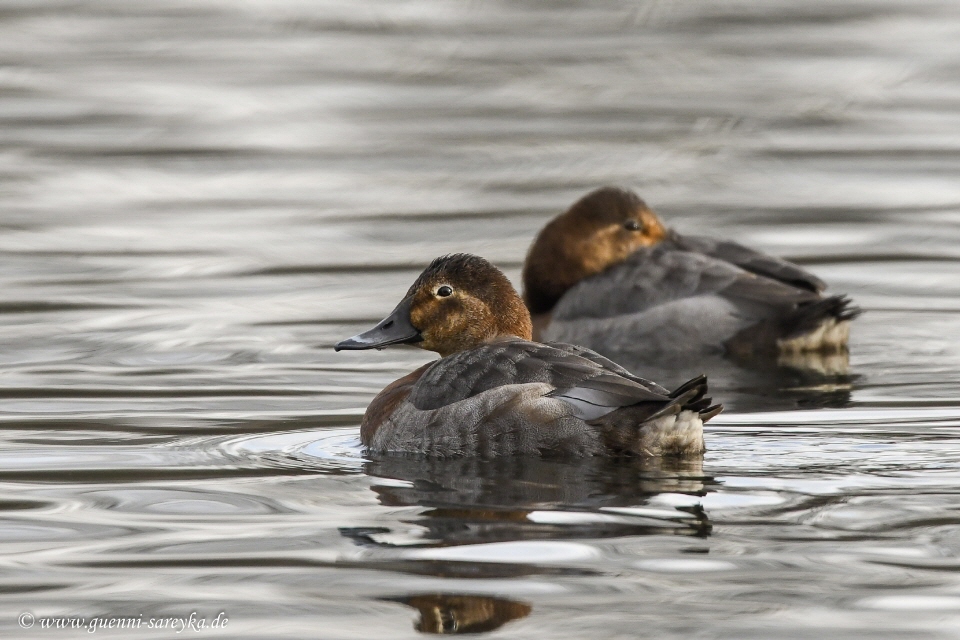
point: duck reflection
(449, 614)
(473, 501)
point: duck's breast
(383, 407)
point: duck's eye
(444, 291)
(632, 225)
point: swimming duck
(496, 392)
(609, 275)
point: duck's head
(459, 302)
(598, 231)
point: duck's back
(751, 260)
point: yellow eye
(444, 291)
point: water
(197, 199)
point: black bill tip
(394, 329)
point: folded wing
(581, 378)
(753, 261)
(652, 278)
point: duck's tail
(692, 396)
(820, 326)
(811, 316)
(675, 427)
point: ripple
(946, 416)
(330, 450)
(684, 565)
(181, 502)
(23, 532)
(912, 602)
(720, 500)
(649, 517)
(534, 552)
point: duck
(496, 392)
(608, 274)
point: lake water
(197, 199)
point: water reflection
(450, 614)
(471, 502)
(510, 517)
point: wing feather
(753, 261)
(578, 376)
(651, 278)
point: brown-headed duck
(495, 392)
(609, 275)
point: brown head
(459, 302)
(600, 230)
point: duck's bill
(394, 329)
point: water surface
(197, 199)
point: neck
(514, 320)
